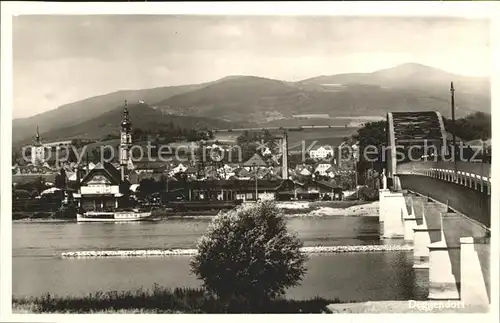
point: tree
(249, 254)
(269, 140)
(147, 186)
(60, 179)
(474, 126)
(372, 134)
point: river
(38, 267)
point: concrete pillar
(421, 241)
(442, 282)
(410, 222)
(472, 287)
(390, 216)
(382, 208)
(397, 183)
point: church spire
(37, 137)
(125, 142)
(126, 124)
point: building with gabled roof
(255, 161)
(323, 169)
(102, 188)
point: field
(331, 136)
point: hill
(409, 75)
(237, 98)
(410, 87)
(81, 111)
(142, 116)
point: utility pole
(355, 157)
(256, 188)
(452, 90)
(284, 155)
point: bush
(66, 212)
(368, 194)
(248, 255)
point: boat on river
(115, 216)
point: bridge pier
(450, 263)
(421, 239)
(391, 213)
(472, 292)
(442, 283)
(410, 220)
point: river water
(38, 267)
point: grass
(160, 300)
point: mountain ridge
(258, 100)
(142, 116)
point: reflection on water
(38, 268)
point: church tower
(37, 150)
(125, 142)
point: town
(203, 181)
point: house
(146, 166)
(102, 189)
(178, 169)
(323, 169)
(305, 172)
(231, 190)
(324, 189)
(265, 151)
(322, 152)
(259, 172)
(191, 171)
(242, 173)
(254, 161)
(136, 177)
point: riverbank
(410, 306)
(330, 208)
(191, 252)
(159, 300)
(290, 209)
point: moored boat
(115, 216)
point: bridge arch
(410, 132)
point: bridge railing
(476, 176)
(470, 168)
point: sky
(62, 59)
